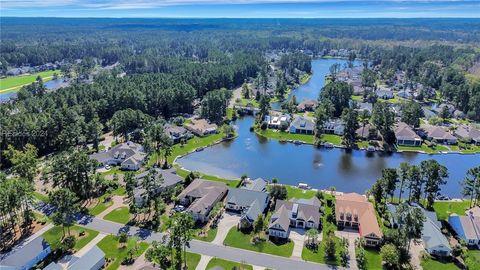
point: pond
(348, 171)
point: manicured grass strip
(332, 138)
(424, 147)
(229, 182)
(119, 215)
(41, 197)
(118, 252)
(444, 209)
(17, 81)
(212, 232)
(101, 206)
(431, 264)
(473, 259)
(224, 264)
(55, 234)
(238, 239)
(191, 145)
(299, 193)
(282, 135)
(192, 260)
(373, 259)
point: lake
(348, 171)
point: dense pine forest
(169, 63)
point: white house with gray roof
(250, 203)
(129, 155)
(93, 259)
(302, 125)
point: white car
(107, 167)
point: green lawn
(55, 234)
(244, 102)
(17, 81)
(227, 265)
(444, 209)
(373, 259)
(119, 215)
(332, 138)
(102, 204)
(358, 98)
(424, 147)
(282, 135)
(238, 239)
(117, 253)
(298, 193)
(319, 255)
(473, 259)
(192, 260)
(430, 264)
(41, 197)
(229, 182)
(191, 145)
(212, 232)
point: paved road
(205, 248)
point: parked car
(107, 167)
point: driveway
(416, 248)
(351, 236)
(298, 238)
(227, 221)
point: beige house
(303, 214)
(405, 135)
(201, 196)
(354, 211)
(201, 127)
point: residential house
(307, 105)
(170, 180)
(335, 126)
(250, 203)
(302, 125)
(258, 184)
(201, 127)
(354, 211)
(405, 135)
(278, 122)
(466, 227)
(201, 196)
(93, 259)
(128, 155)
(367, 132)
(25, 256)
(364, 106)
(434, 241)
(384, 94)
(303, 214)
(440, 135)
(468, 134)
(177, 133)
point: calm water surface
(349, 171)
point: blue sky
(241, 8)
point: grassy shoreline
(14, 83)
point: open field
(11, 84)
